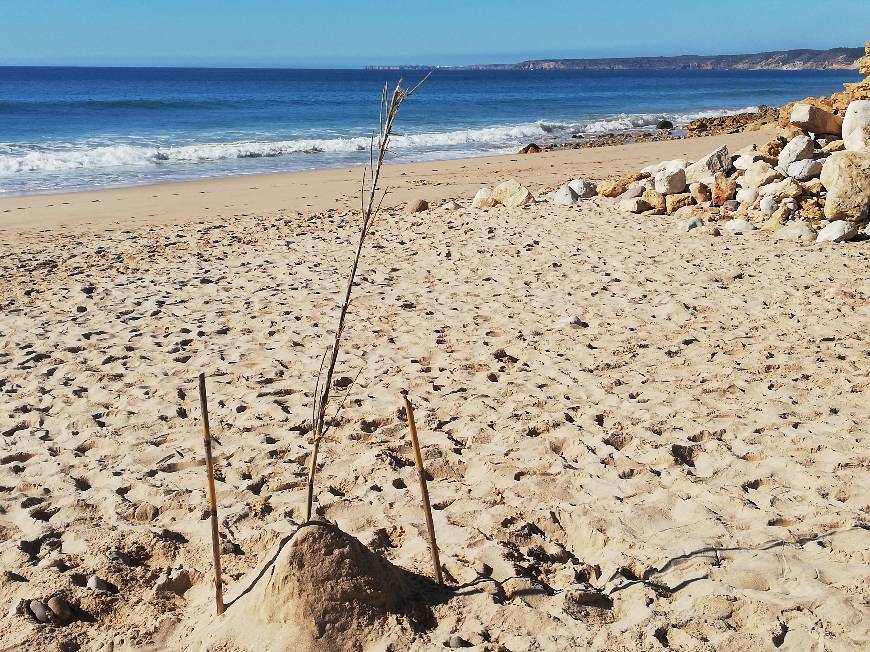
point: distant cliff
(834, 59)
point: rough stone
(416, 206)
(743, 162)
(656, 201)
(483, 199)
(838, 231)
(635, 205)
(584, 188)
(805, 170)
(564, 196)
(61, 609)
(689, 223)
(716, 161)
(846, 175)
(531, 148)
(788, 187)
(701, 192)
(512, 193)
(617, 187)
(673, 202)
(747, 195)
(722, 189)
(739, 226)
(815, 119)
(856, 126)
(632, 192)
(145, 512)
(670, 181)
(768, 205)
(759, 174)
(798, 148)
(796, 232)
(833, 146)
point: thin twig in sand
(369, 210)
(424, 490)
(212, 498)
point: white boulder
(838, 231)
(583, 188)
(716, 161)
(846, 176)
(483, 199)
(670, 181)
(797, 149)
(856, 126)
(564, 196)
(795, 232)
(806, 169)
(739, 226)
(512, 193)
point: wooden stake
(421, 473)
(212, 499)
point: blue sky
(363, 32)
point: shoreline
(330, 188)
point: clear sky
(363, 32)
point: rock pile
(811, 182)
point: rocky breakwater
(838, 103)
(810, 183)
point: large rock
(564, 196)
(759, 174)
(796, 232)
(512, 193)
(747, 196)
(798, 148)
(716, 161)
(722, 189)
(670, 181)
(815, 119)
(673, 164)
(584, 189)
(743, 161)
(788, 187)
(636, 205)
(739, 226)
(700, 192)
(483, 199)
(618, 186)
(806, 169)
(856, 126)
(838, 231)
(673, 202)
(846, 175)
(656, 200)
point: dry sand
(638, 439)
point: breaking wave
(19, 159)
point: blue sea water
(78, 128)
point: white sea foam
(19, 159)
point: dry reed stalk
(212, 498)
(370, 206)
(424, 490)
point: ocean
(83, 128)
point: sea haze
(79, 128)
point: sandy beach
(638, 438)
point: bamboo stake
(212, 498)
(421, 473)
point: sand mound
(324, 591)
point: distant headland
(833, 59)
